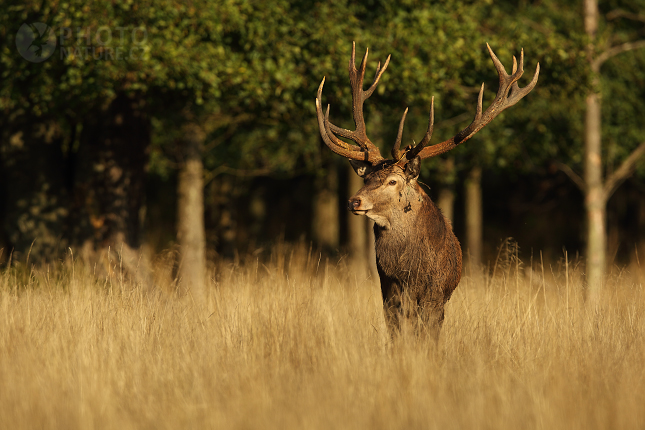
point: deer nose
(354, 203)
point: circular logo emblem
(35, 42)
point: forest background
(146, 126)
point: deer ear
(362, 168)
(413, 168)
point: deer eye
(392, 182)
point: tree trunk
(222, 190)
(446, 202)
(325, 215)
(598, 191)
(190, 214)
(474, 217)
(357, 227)
(446, 198)
(595, 201)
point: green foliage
(248, 71)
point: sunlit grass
(300, 342)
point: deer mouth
(358, 206)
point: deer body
(417, 254)
(417, 276)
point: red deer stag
(417, 254)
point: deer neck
(415, 214)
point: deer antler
(508, 94)
(365, 150)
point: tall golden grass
(299, 342)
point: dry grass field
(300, 343)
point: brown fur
(417, 254)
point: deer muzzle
(357, 206)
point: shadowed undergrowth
(299, 342)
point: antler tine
(480, 104)
(352, 59)
(516, 92)
(377, 77)
(356, 81)
(515, 63)
(334, 139)
(426, 139)
(328, 125)
(396, 153)
(363, 65)
(508, 94)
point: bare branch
(620, 13)
(615, 50)
(215, 121)
(454, 120)
(623, 172)
(577, 179)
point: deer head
(387, 179)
